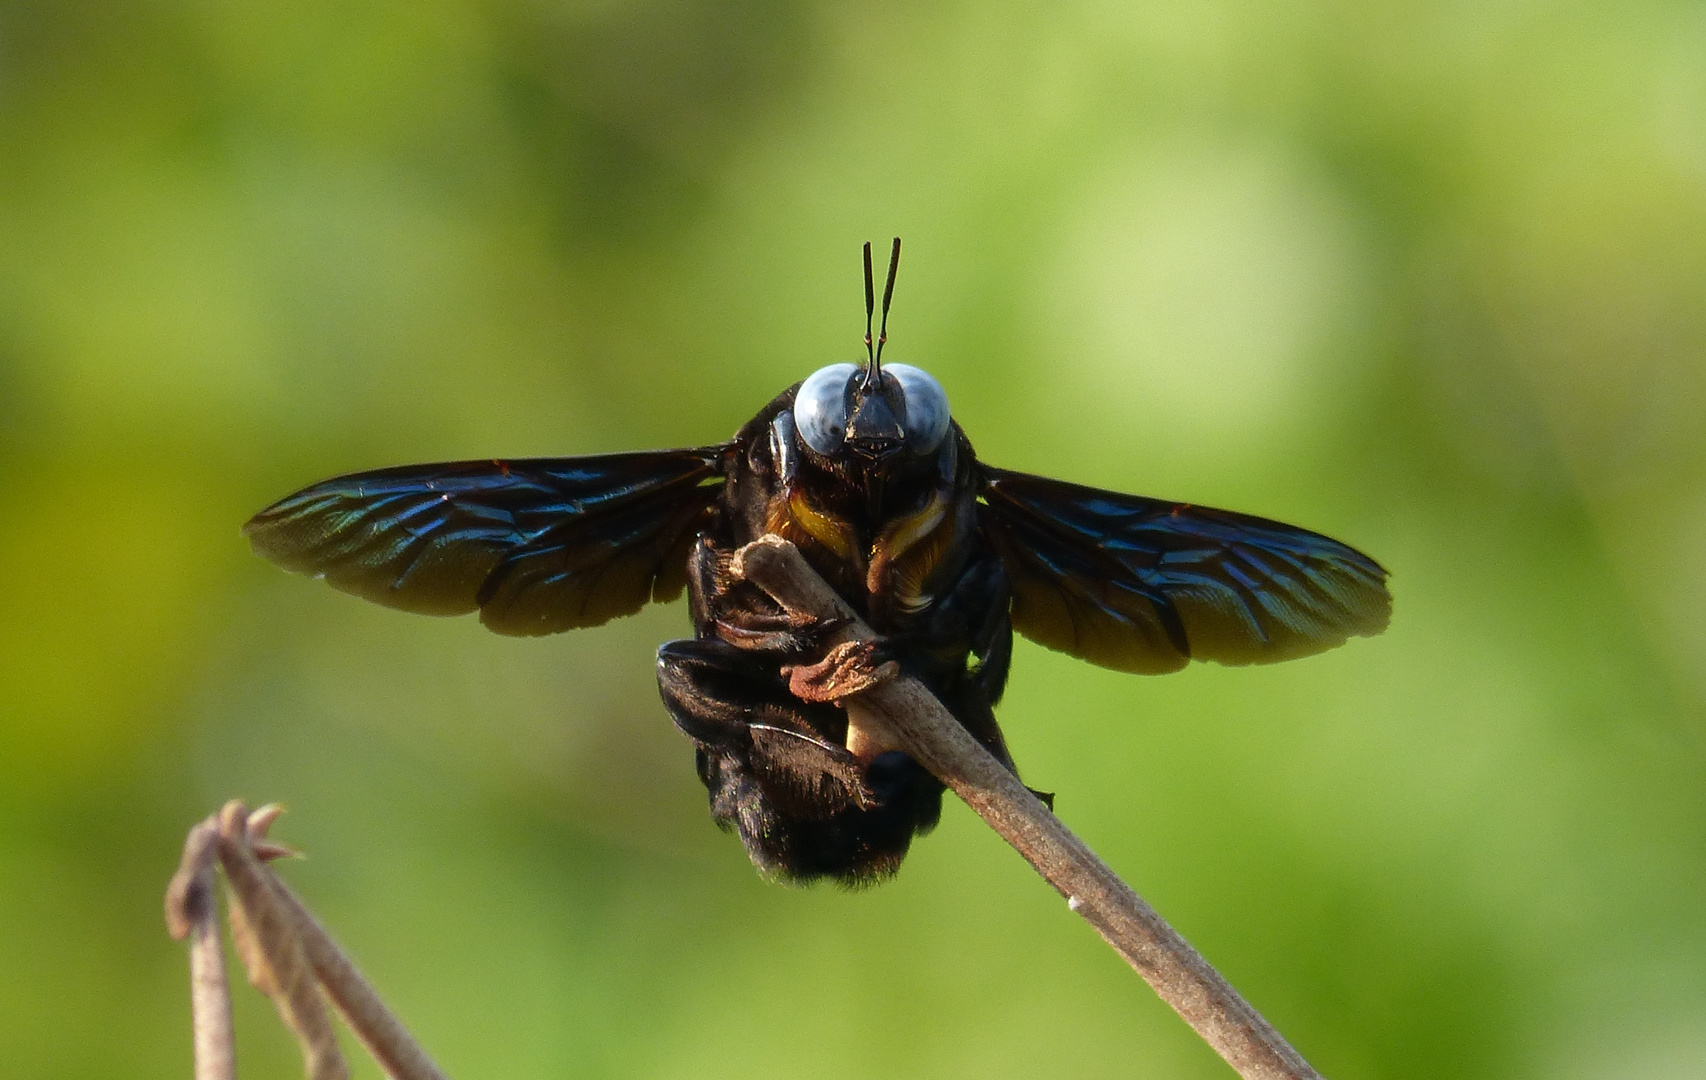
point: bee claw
(849, 668)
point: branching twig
(270, 943)
(287, 955)
(922, 727)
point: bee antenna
(870, 303)
(888, 294)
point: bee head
(878, 414)
(843, 411)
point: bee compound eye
(926, 407)
(820, 407)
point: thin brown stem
(921, 726)
(269, 940)
(376, 1026)
(192, 911)
(286, 952)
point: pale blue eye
(926, 407)
(820, 407)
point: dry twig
(269, 941)
(192, 911)
(286, 953)
(922, 727)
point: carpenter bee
(863, 468)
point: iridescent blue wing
(1144, 585)
(537, 545)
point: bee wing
(537, 545)
(1144, 585)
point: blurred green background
(1427, 277)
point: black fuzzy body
(777, 768)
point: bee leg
(972, 709)
(737, 710)
(846, 669)
(778, 773)
(745, 615)
(780, 632)
(703, 683)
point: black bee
(864, 468)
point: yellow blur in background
(1430, 278)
